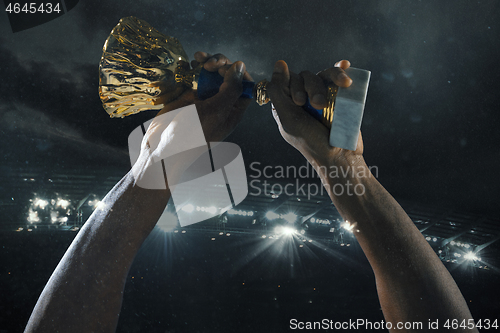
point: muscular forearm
(84, 293)
(412, 283)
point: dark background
(430, 126)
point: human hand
(288, 92)
(175, 136)
(219, 114)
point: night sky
(430, 125)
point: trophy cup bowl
(136, 60)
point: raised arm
(84, 293)
(412, 283)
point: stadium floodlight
(271, 215)
(348, 226)
(167, 222)
(188, 208)
(289, 217)
(99, 205)
(33, 216)
(471, 256)
(286, 231)
(62, 203)
(40, 203)
(240, 212)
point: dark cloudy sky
(431, 117)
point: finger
(281, 77)
(344, 64)
(247, 76)
(297, 90)
(284, 109)
(216, 61)
(230, 90)
(315, 88)
(201, 57)
(336, 75)
(225, 68)
(194, 63)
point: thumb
(287, 115)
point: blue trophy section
(209, 83)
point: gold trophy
(137, 59)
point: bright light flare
(348, 226)
(167, 222)
(33, 216)
(212, 209)
(100, 205)
(53, 216)
(40, 203)
(289, 217)
(471, 256)
(62, 203)
(286, 231)
(271, 215)
(188, 208)
(240, 212)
